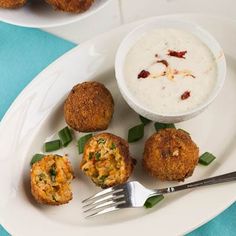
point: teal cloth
(23, 54)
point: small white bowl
(140, 31)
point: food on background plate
(106, 160)
(51, 176)
(177, 71)
(73, 6)
(12, 3)
(170, 154)
(89, 107)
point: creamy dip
(170, 71)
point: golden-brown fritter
(89, 107)
(106, 160)
(50, 180)
(74, 6)
(12, 3)
(170, 154)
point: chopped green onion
(159, 126)
(97, 155)
(136, 133)
(152, 201)
(101, 140)
(54, 198)
(42, 176)
(52, 145)
(103, 178)
(206, 158)
(53, 173)
(91, 155)
(184, 131)
(144, 120)
(37, 157)
(113, 146)
(65, 136)
(82, 141)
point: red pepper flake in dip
(164, 62)
(143, 74)
(185, 95)
(180, 54)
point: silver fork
(134, 194)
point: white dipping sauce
(160, 92)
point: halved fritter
(106, 160)
(50, 180)
(12, 3)
(74, 6)
(170, 154)
(89, 107)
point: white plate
(38, 14)
(37, 114)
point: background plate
(38, 14)
(37, 114)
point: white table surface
(119, 12)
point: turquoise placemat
(26, 52)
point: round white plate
(37, 114)
(38, 14)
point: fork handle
(210, 181)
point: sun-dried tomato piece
(143, 74)
(180, 54)
(185, 95)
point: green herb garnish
(159, 126)
(113, 146)
(97, 155)
(54, 198)
(101, 140)
(152, 201)
(82, 141)
(144, 120)
(206, 158)
(103, 178)
(37, 157)
(91, 155)
(41, 176)
(52, 145)
(65, 136)
(136, 133)
(53, 173)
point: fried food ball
(12, 3)
(74, 6)
(89, 107)
(106, 160)
(170, 154)
(50, 180)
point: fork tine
(102, 194)
(105, 204)
(110, 208)
(104, 199)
